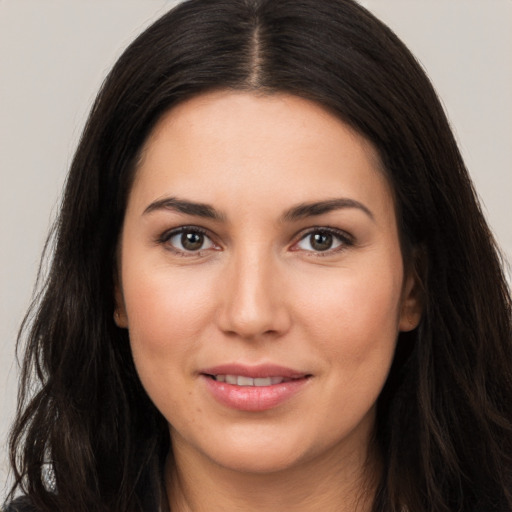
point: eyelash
(345, 240)
(164, 238)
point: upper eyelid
(169, 233)
(326, 229)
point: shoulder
(22, 504)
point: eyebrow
(187, 207)
(313, 209)
(295, 213)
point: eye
(323, 240)
(186, 240)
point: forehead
(251, 144)
(216, 115)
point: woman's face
(261, 281)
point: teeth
(267, 381)
(244, 381)
(241, 380)
(231, 379)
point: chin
(258, 451)
(258, 461)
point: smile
(242, 380)
(254, 393)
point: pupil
(192, 241)
(321, 241)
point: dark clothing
(20, 505)
(24, 504)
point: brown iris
(321, 241)
(192, 241)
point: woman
(272, 284)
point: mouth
(243, 380)
(254, 388)
(260, 375)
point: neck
(345, 484)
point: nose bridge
(252, 301)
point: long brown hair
(88, 438)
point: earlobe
(412, 304)
(120, 316)
(120, 319)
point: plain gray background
(55, 53)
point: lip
(256, 371)
(254, 398)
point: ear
(120, 316)
(412, 303)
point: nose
(252, 296)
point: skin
(260, 291)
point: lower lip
(254, 398)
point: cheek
(164, 306)
(166, 313)
(354, 316)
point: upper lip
(254, 371)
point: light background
(55, 53)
